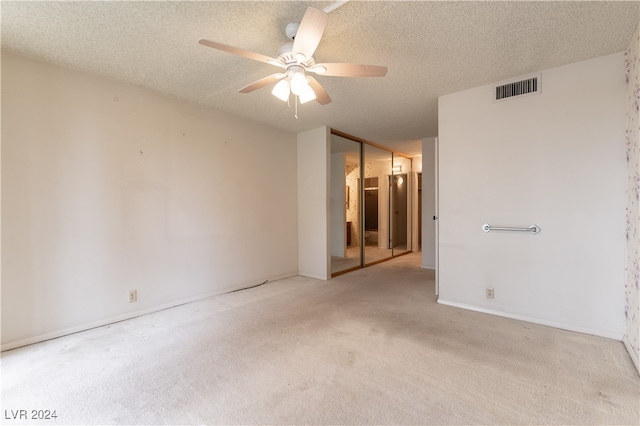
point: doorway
(371, 215)
(399, 198)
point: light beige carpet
(369, 347)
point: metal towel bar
(534, 229)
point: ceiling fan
(296, 61)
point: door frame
(437, 216)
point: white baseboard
(555, 324)
(428, 267)
(314, 276)
(129, 315)
(632, 354)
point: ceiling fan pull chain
(296, 115)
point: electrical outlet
(490, 293)
(133, 296)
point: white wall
(108, 188)
(338, 228)
(313, 203)
(557, 160)
(428, 203)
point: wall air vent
(518, 88)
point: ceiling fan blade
(310, 32)
(352, 70)
(262, 82)
(241, 52)
(321, 95)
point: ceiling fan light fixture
(299, 83)
(282, 90)
(307, 95)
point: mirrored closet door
(377, 232)
(345, 235)
(370, 203)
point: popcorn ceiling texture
(431, 49)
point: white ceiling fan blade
(262, 82)
(310, 32)
(350, 70)
(321, 95)
(241, 52)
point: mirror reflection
(370, 203)
(401, 214)
(345, 204)
(377, 233)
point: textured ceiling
(431, 49)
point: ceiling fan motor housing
(287, 57)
